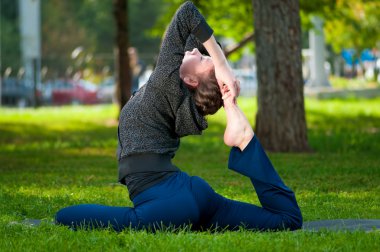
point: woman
(185, 86)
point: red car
(74, 92)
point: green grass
(356, 83)
(55, 157)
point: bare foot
(238, 134)
(233, 135)
(238, 131)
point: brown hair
(207, 95)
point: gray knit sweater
(163, 110)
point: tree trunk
(123, 71)
(280, 119)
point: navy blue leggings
(182, 199)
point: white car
(106, 91)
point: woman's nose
(194, 51)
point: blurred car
(16, 92)
(74, 92)
(47, 90)
(106, 90)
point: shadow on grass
(37, 203)
(43, 136)
(33, 152)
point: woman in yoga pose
(187, 85)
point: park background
(53, 156)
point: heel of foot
(232, 140)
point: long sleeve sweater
(163, 110)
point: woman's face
(194, 63)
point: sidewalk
(330, 92)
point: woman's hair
(207, 96)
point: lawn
(55, 157)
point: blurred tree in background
(78, 35)
(348, 23)
(123, 68)
(10, 36)
(143, 16)
(88, 26)
(67, 44)
(228, 18)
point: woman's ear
(191, 81)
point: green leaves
(348, 23)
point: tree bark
(123, 71)
(280, 119)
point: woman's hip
(169, 203)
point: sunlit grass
(54, 157)
(359, 83)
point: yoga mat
(343, 225)
(367, 225)
(31, 222)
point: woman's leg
(92, 216)
(170, 203)
(279, 207)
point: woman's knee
(72, 216)
(299, 221)
(63, 216)
(294, 221)
(89, 216)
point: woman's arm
(172, 100)
(192, 42)
(185, 22)
(223, 71)
(212, 48)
